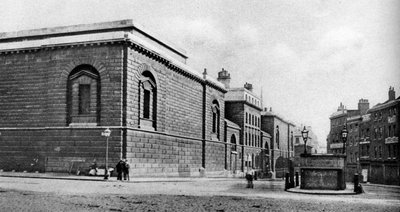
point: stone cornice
(108, 38)
(244, 102)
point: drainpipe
(203, 146)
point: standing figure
(126, 169)
(120, 168)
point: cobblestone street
(181, 194)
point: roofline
(111, 37)
(384, 105)
(244, 102)
(126, 24)
(280, 118)
(245, 90)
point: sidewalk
(66, 176)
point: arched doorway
(233, 154)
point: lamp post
(106, 133)
(344, 138)
(304, 134)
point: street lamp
(344, 138)
(304, 134)
(106, 133)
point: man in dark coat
(126, 169)
(120, 167)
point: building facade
(337, 122)
(61, 87)
(243, 108)
(384, 156)
(282, 141)
(372, 147)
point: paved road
(198, 194)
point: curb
(54, 177)
(100, 178)
(322, 192)
(380, 185)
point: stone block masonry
(60, 91)
(56, 149)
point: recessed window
(148, 101)
(146, 104)
(83, 96)
(215, 118)
(84, 99)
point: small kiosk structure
(322, 171)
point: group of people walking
(122, 169)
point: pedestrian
(93, 169)
(120, 168)
(126, 169)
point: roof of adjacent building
(384, 105)
(272, 114)
(338, 113)
(266, 134)
(232, 124)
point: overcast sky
(306, 56)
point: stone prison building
(61, 87)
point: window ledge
(214, 137)
(146, 124)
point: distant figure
(126, 169)
(120, 168)
(93, 169)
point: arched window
(147, 101)
(253, 160)
(83, 96)
(277, 136)
(215, 118)
(233, 143)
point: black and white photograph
(203, 105)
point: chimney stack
(225, 78)
(363, 106)
(341, 107)
(392, 93)
(248, 86)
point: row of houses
(62, 87)
(372, 146)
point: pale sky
(306, 56)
